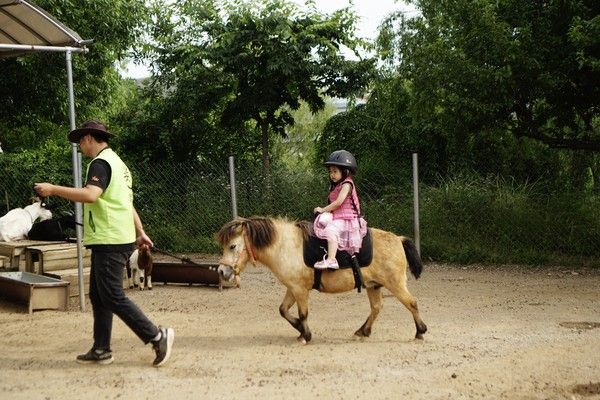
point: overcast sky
(370, 12)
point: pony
(16, 223)
(277, 243)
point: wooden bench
(15, 252)
(54, 257)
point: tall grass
(472, 219)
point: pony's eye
(232, 247)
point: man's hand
(143, 241)
(44, 189)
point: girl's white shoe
(327, 264)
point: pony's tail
(413, 257)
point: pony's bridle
(235, 266)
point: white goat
(16, 223)
(139, 269)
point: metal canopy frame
(24, 29)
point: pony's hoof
(419, 336)
(363, 332)
(301, 340)
(358, 338)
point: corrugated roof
(24, 23)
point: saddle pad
(314, 250)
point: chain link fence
(467, 219)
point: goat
(53, 229)
(139, 269)
(16, 223)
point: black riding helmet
(344, 159)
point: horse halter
(236, 264)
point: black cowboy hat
(89, 128)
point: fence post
(232, 184)
(417, 229)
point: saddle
(314, 249)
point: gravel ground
(505, 332)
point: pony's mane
(260, 230)
(305, 228)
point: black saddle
(314, 250)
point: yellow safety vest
(109, 220)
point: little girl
(340, 222)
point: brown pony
(277, 243)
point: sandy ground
(494, 333)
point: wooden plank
(59, 264)
(15, 251)
(71, 275)
(52, 247)
(66, 253)
(57, 254)
(40, 259)
(9, 248)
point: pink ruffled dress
(344, 225)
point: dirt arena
(494, 333)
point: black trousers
(108, 298)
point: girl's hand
(318, 210)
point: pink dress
(344, 225)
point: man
(111, 229)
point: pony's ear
(35, 199)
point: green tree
(33, 88)
(262, 58)
(529, 68)
(297, 149)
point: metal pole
(55, 49)
(76, 158)
(232, 184)
(417, 228)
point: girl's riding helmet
(342, 158)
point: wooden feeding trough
(203, 272)
(39, 292)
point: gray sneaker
(96, 357)
(163, 346)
